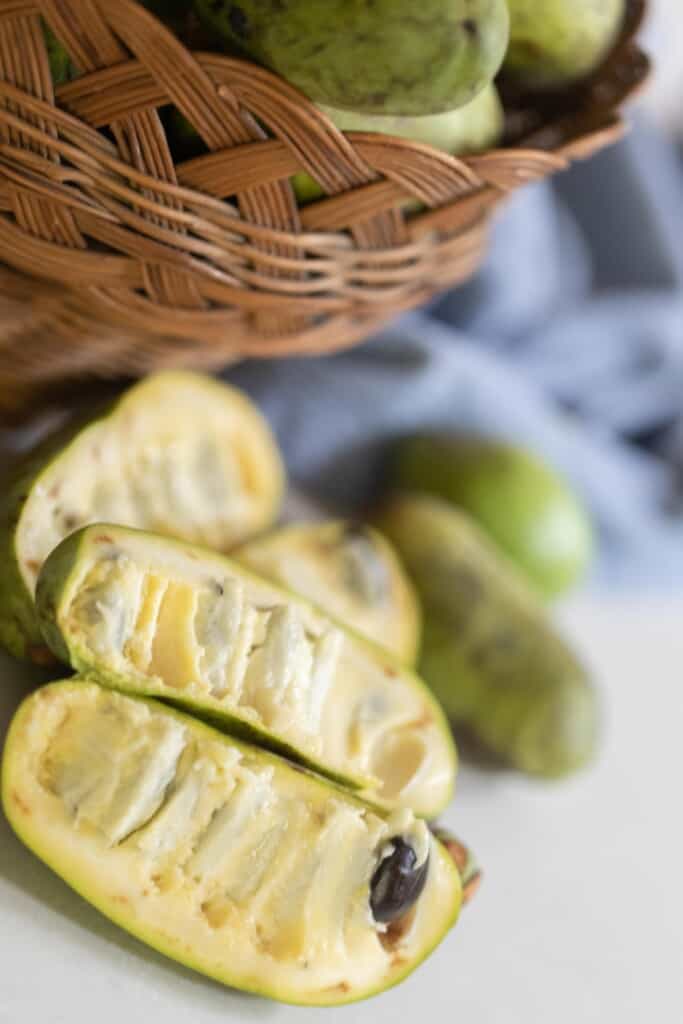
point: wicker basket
(116, 261)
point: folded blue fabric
(570, 341)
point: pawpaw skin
(554, 43)
(499, 669)
(389, 57)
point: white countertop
(579, 920)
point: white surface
(664, 38)
(578, 920)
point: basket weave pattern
(119, 261)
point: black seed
(239, 22)
(397, 883)
(471, 28)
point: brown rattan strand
(118, 260)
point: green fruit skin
(62, 68)
(501, 672)
(384, 57)
(524, 506)
(556, 42)
(464, 859)
(306, 188)
(470, 129)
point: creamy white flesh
(350, 572)
(181, 622)
(181, 455)
(223, 857)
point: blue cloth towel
(570, 341)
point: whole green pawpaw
(469, 129)
(556, 42)
(502, 673)
(385, 57)
(476, 126)
(524, 505)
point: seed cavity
(210, 638)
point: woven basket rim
(135, 260)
